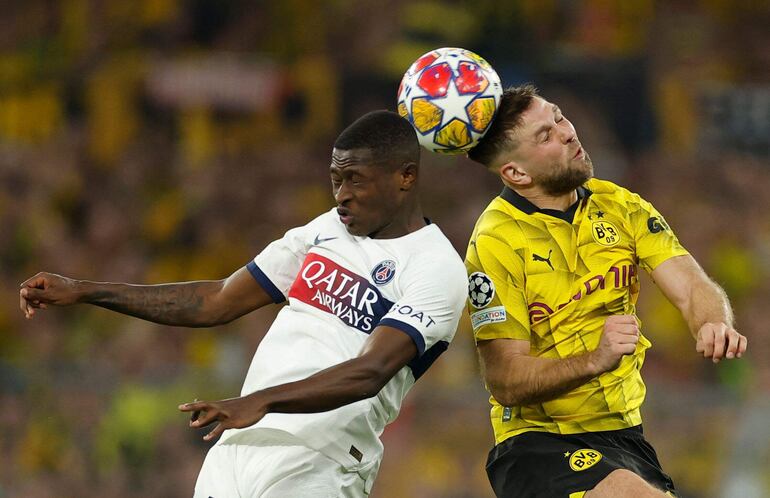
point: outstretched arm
(192, 304)
(515, 378)
(385, 352)
(703, 304)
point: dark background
(164, 140)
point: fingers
(622, 324)
(732, 338)
(742, 345)
(196, 407)
(717, 341)
(26, 306)
(627, 330)
(203, 413)
(719, 344)
(30, 294)
(622, 319)
(39, 281)
(218, 430)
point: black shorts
(541, 464)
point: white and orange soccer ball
(450, 95)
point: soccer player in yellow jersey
(553, 267)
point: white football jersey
(339, 288)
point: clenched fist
(619, 337)
(46, 288)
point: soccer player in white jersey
(374, 291)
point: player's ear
(408, 175)
(513, 174)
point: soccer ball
(450, 95)
(481, 289)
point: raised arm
(385, 352)
(202, 303)
(703, 304)
(515, 378)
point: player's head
(530, 144)
(374, 172)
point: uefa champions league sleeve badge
(481, 289)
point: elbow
(370, 382)
(206, 321)
(373, 385)
(508, 395)
(506, 398)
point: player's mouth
(579, 154)
(345, 216)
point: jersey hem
(635, 421)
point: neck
(411, 221)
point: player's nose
(567, 132)
(568, 136)
(342, 194)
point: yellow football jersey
(552, 278)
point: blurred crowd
(167, 140)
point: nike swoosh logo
(318, 240)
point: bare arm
(704, 306)
(515, 378)
(385, 352)
(192, 304)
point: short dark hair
(390, 137)
(498, 139)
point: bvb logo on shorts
(584, 459)
(605, 233)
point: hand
(718, 340)
(46, 288)
(233, 413)
(619, 338)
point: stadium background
(163, 140)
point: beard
(565, 181)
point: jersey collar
(522, 204)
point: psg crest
(384, 272)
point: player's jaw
(566, 176)
(362, 222)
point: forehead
(352, 159)
(538, 111)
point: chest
(594, 252)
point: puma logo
(537, 257)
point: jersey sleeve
(431, 304)
(276, 267)
(655, 241)
(497, 302)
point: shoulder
(435, 257)
(612, 192)
(500, 222)
(434, 248)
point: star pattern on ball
(459, 103)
